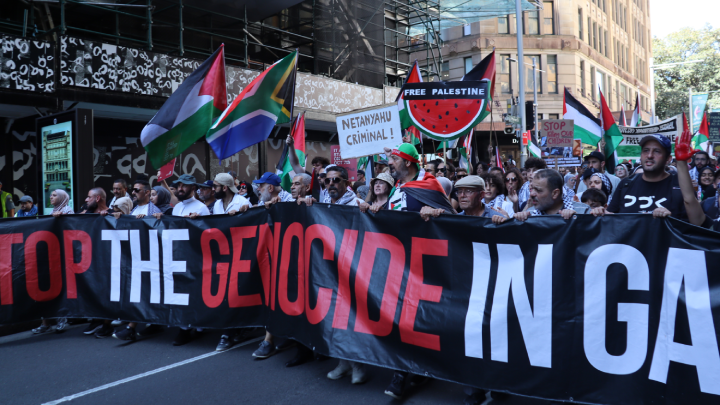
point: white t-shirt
(140, 210)
(237, 202)
(189, 206)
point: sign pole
(521, 75)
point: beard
(219, 195)
(265, 195)
(92, 206)
(182, 195)
(398, 173)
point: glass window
(468, 64)
(589, 28)
(548, 20)
(505, 75)
(552, 73)
(582, 77)
(580, 24)
(595, 36)
(606, 44)
(503, 27)
(600, 40)
(529, 73)
(466, 30)
(533, 22)
(593, 90)
(445, 68)
(554, 116)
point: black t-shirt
(640, 196)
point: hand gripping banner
(616, 310)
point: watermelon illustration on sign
(445, 110)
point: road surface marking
(149, 373)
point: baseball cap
(470, 182)
(26, 198)
(226, 179)
(185, 179)
(662, 140)
(269, 178)
(382, 162)
(597, 155)
(207, 184)
(361, 172)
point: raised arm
(683, 153)
(292, 156)
(173, 199)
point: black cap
(597, 155)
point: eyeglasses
(322, 175)
(442, 169)
(511, 179)
(461, 176)
(466, 191)
(243, 186)
(137, 190)
(335, 180)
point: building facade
(123, 60)
(584, 45)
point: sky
(667, 17)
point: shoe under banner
(548, 308)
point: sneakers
(265, 350)
(116, 323)
(358, 373)
(397, 386)
(104, 331)
(42, 329)
(184, 336)
(150, 330)
(93, 327)
(126, 333)
(302, 356)
(225, 343)
(342, 369)
(62, 324)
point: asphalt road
(74, 368)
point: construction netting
(463, 12)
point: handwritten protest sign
(368, 132)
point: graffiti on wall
(26, 64)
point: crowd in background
(684, 187)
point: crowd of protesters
(682, 186)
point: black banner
(614, 310)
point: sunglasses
(513, 179)
(322, 175)
(335, 180)
(442, 170)
(242, 186)
(460, 176)
(137, 190)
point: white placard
(368, 132)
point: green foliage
(672, 84)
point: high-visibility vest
(3, 199)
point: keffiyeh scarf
(347, 198)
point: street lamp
(535, 103)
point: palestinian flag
(533, 148)
(447, 144)
(265, 102)
(700, 140)
(367, 164)
(611, 135)
(188, 113)
(414, 76)
(622, 121)
(587, 127)
(427, 191)
(498, 159)
(465, 152)
(484, 71)
(635, 120)
(415, 135)
(284, 168)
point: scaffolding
(368, 42)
